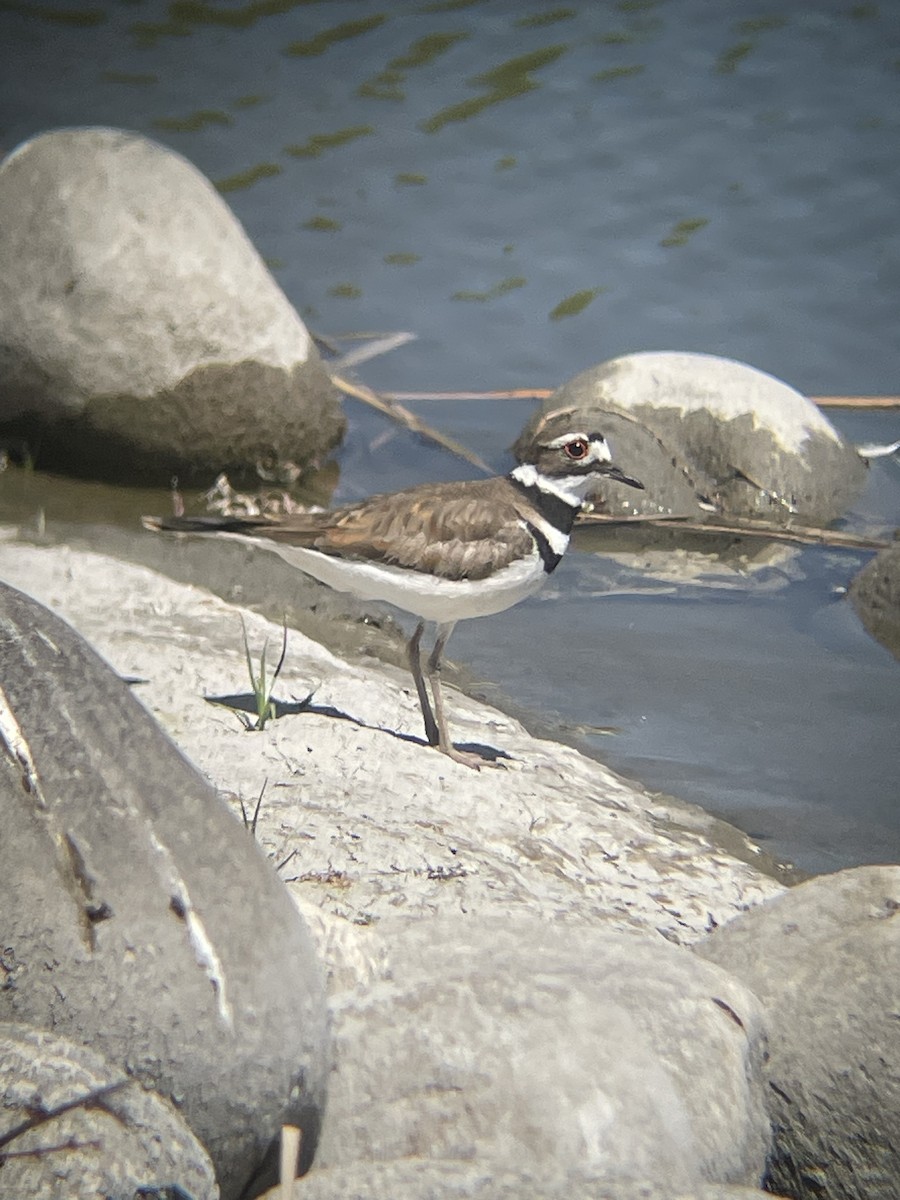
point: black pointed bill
(619, 476)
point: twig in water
(369, 350)
(404, 417)
(737, 527)
(546, 393)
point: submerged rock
(875, 593)
(824, 959)
(139, 918)
(141, 334)
(708, 434)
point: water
(531, 189)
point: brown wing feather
(457, 531)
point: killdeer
(443, 552)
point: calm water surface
(531, 189)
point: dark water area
(531, 189)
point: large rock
(377, 824)
(703, 432)
(86, 1129)
(139, 918)
(824, 960)
(443, 1179)
(523, 1045)
(140, 332)
(875, 593)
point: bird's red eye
(577, 449)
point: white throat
(571, 489)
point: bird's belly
(417, 592)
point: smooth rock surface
(141, 334)
(875, 593)
(377, 823)
(824, 960)
(138, 917)
(430, 1179)
(699, 430)
(524, 1045)
(87, 1129)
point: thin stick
(369, 350)
(737, 528)
(546, 393)
(290, 1156)
(514, 394)
(88, 1100)
(856, 401)
(398, 413)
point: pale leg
(434, 674)
(432, 732)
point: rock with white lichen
(708, 435)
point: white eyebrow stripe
(599, 447)
(558, 443)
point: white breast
(416, 592)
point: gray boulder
(824, 960)
(707, 433)
(139, 918)
(430, 1179)
(875, 593)
(141, 334)
(71, 1126)
(523, 1045)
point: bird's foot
(469, 758)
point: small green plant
(262, 687)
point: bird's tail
(204, 524)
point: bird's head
(576, 461)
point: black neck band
(559, 513)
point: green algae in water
(338, 33)
(683, 230)
(246, 179)
(499, 289)
(319, 142)
(574, 304)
